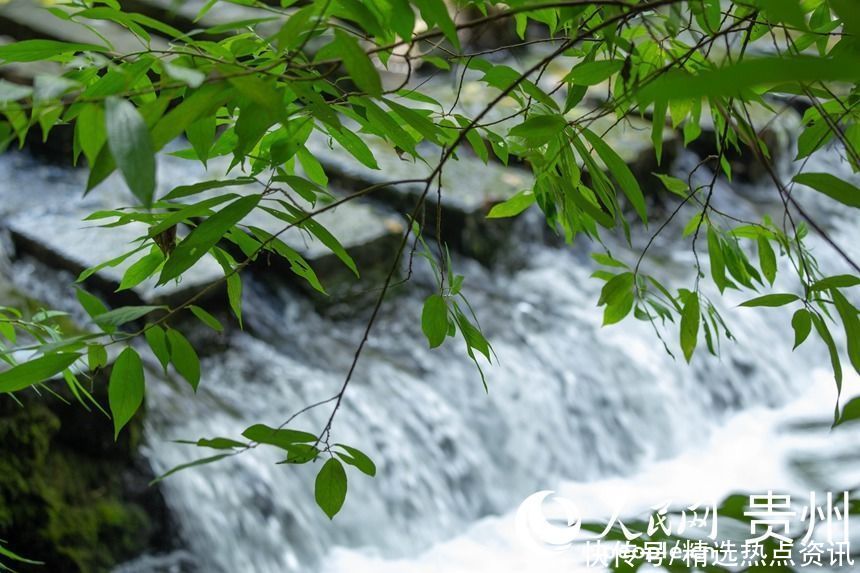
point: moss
(64, 493)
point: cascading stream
(568, 400)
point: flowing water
(571, 406)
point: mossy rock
(70, 496)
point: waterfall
(568, 402)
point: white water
(574, 407)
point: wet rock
(183, 15)
(469, 190)
(64, 240)
(27, 20)
(369, 234)
(777, 131)
(70, 495)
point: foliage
(256, 91)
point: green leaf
(732, 79)
(788, 11)
(90, 303)
(184, 357)
(358, 459)
(592, 73)
(35, 50)
(187, 190)
(207, 318)
(188, 76)
(434, 320)
(280, 437)
(4, 552)
(122, 315)
(125, 389)
(690, 318)
(435, 12)
(620, 172)
(801, 322)
(772, 300)
(35, 371)
(157, 340)
(838, 281)
(513, 206)
(718, 263)
(539, 129)
(97, 356)
(141, 270)
(767, 259)
(835, 362)
(360, 68)
(850, 413)
(330, 487)
(181, 467)
(851, 325)
(831, 186)
(205, 236)
(220, 443)
(300, 454)
(673, 184)
(131, 147)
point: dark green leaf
(330, 487)
(281, 437)
(360, 68)
(157, 340)
(690, 318)
(125, 389)
(831, 186)
(513, 206)
(184, 357)
(434, 320)
(181, 467)
(122, 315)
(358, 459)
(205, 236)
(207, 318)
(838, 281)
(620, 172)
(35, 371)
(34, 50)
(801, 322)
(778, 299)
(131, 147)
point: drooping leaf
(330, 487)
(131, 147)
(801, 322)
(126, 388)
(690, 318)
(434, 320)
(184, 357)
(620, 172)
(360, 68)
(157, 340)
